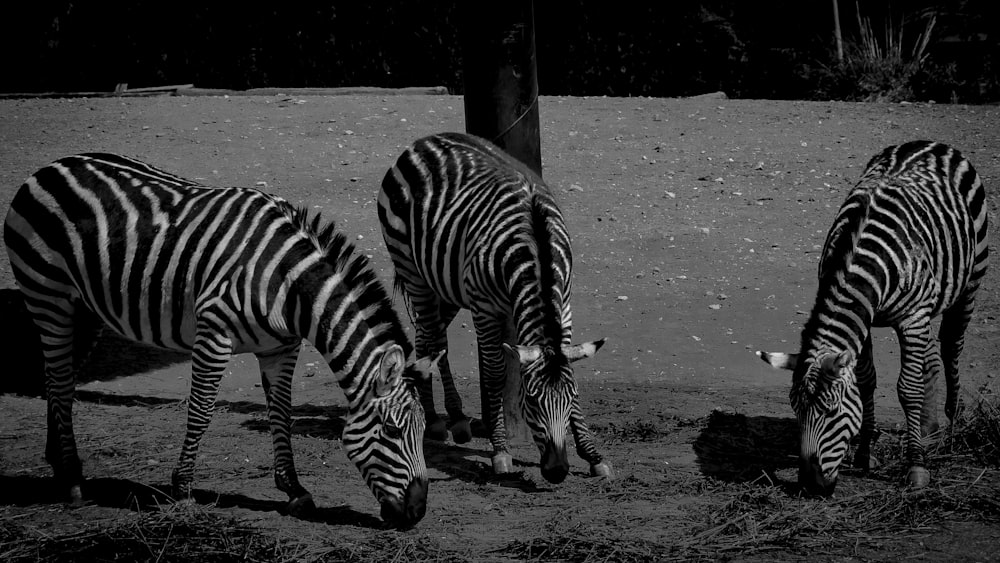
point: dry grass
(177, 533)
(724, 518)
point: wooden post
(501, 78)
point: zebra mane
(552, 324)
(354, 266)
(842, 240)
(313, 227)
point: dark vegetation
(945, 51)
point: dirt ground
(696, 226)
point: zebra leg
(932, 375)
(584, 439)
(914, 338)
(490, 334)
(54, 320)
(209, 357)
(952, 336)
(458, 423)
(865, 372)
(276, 370)
(431, 336)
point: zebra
(908, 244)
(217, 271)
(468, 226)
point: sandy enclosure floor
(696, 224)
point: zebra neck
(842, 317)
(348, 319)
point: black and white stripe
(909, 244)
(216, 271)
(467, 226)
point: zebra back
(917, 215)
(455, 189)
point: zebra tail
(399, 289)
(551, 306)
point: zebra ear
(390, 370)
(524, 354)
(429, 366)
(780, 360)
(581, 351)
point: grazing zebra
(909, 243)
(467, 226)
(217, 272)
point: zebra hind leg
(952, 337)
(276, 370)
(54, 319)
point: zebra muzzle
(407, 511)
(555, 465)
(812, 480)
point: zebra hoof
(502, 463)
(479, 429)
(929, 429)
(867, 463)
(461, 431)
(918, 477)
(302, 506)
(436, 431)
(75, 496)
(602, 469)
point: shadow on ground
(736, 448)
(474, 466)
(324, 422)
(99, 355)
(130, 495)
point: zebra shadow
(324, 422)
(459, 462)
(100, 355)
(737, 448)
(125, 494)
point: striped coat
(467, 226)
(909, 244)
(216, 271)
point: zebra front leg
(932, 375)
(431, 336)
(866, 376)
(914, 340)
(208, 362)
(584, 440)
(276, 370)
(458, 423)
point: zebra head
(384, 437)
(540, 380)
(827, 403)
